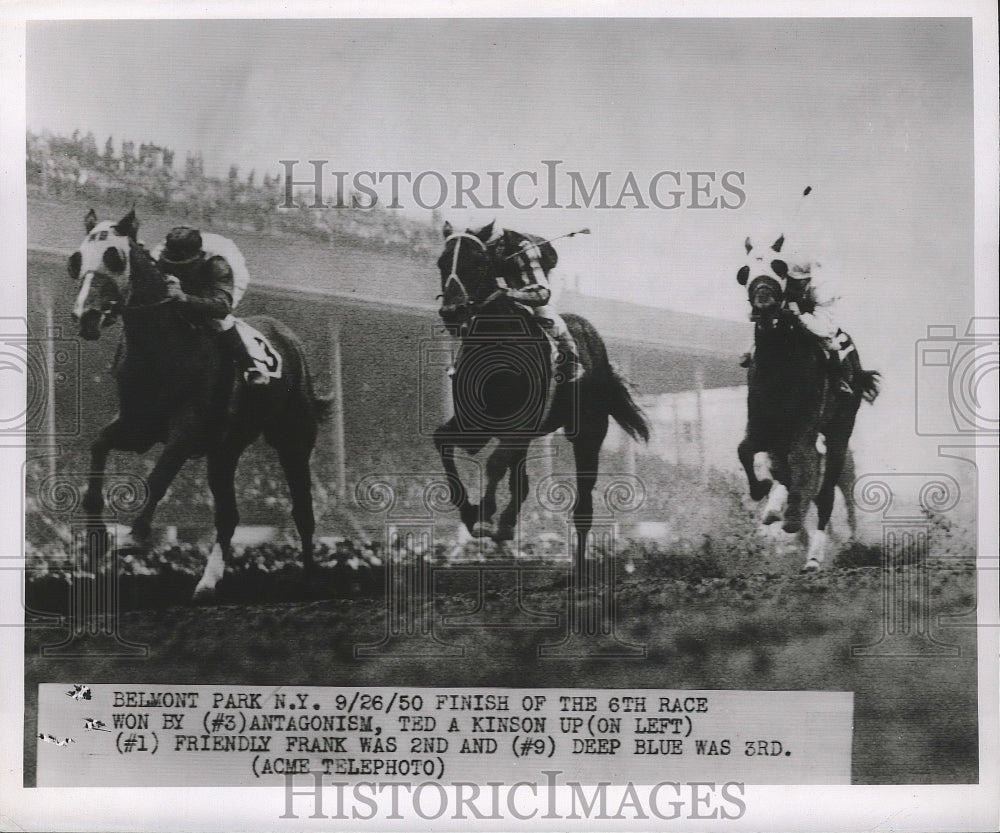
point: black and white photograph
(518, 417)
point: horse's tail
(624, 409)
(322, 406)
(870, 384)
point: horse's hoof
(203, 595)
(470, 517)
(142, 532)
(770, 517)
(811, 566)
(482, 530)
(791, 527)
(503, 533)
(760, 490)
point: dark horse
(176, 387)
(790, 401)
(504, 387)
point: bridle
(117, 307)
(458, 236)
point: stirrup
(255, 377)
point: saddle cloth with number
(264, 354)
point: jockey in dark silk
(523, 263)
(210, 277)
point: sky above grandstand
(874, 114)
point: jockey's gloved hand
(531, 250)
(174, 289)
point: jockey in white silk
(811, 296)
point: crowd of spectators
(75, 167)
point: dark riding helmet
(182, 248)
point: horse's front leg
(803, 466)
(777, 494)
(496, 467)
(517, 457)
(183, 442)
(445, 440)
(109, 438)
(746, 451)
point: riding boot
(841, 374)
(746, 359)
(238, 352)
(570, 367)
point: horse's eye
(780, 268)
(113, 260)
(743, 275)
(73, 265)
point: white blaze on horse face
(95, 245)
(81, 298)
(94, 256)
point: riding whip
(552, 239)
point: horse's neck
(146, 284)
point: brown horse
(790, 401)
(177, 387)
(504, 387)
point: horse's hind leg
(586, 454)
(518, 492)
(803, 466)
(836, 451)
(221, 480)
(846, 484)
(295, 464)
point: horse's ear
(128, 226)
(777, 244)
(447, 230)
(748, 245)
(90, 220)
(486, 232)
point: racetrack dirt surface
(915, 716)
